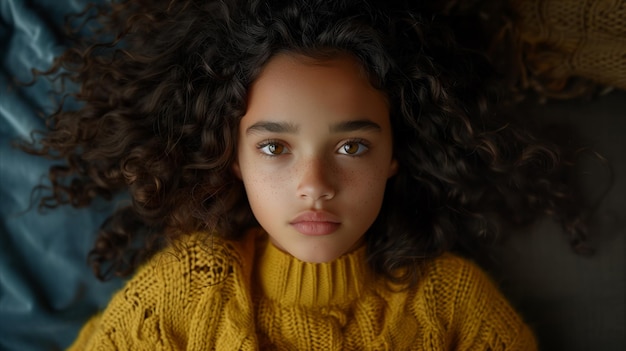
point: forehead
(337, 85)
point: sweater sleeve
(477, 314)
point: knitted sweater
(216, 295)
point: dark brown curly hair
(162, 86)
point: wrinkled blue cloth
(47, 290)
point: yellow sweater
(207, 294)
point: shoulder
(192, 262)
(168, 290)
(459, 285)
(450, 271)
(449, 280)
(197, 256)
(470, 305)
(214, 257)
(177, 275)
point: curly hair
(163, 86)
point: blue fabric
(47, 291)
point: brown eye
(272, 149)
(353, 148)
(275, 149)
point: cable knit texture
(209, 294)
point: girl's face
(314, 154)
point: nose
(316, 180)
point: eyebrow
(351, 126)
(273, 127)
(289, 128)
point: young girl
(300, 173)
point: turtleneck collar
(283, 278)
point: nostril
(316, 180)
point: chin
(317, 249)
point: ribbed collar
(283, 278)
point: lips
(316, 223)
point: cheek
(264, 186)
(365, 189)
(268, 197)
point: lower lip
(315, 228)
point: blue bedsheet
(47, 290)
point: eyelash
(262, 145)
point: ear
(236, 169)
(393, 168)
